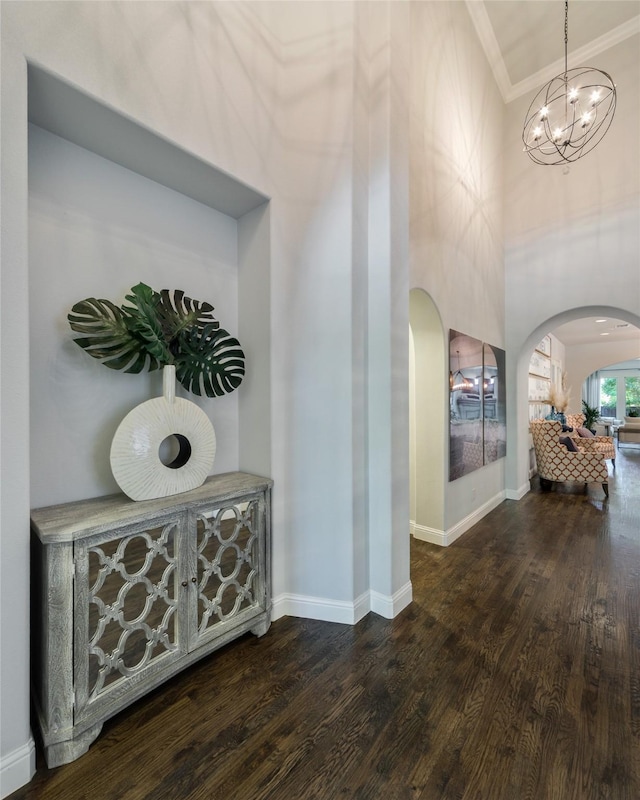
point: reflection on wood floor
(514, 674)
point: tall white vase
(136, 460)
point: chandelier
(457, 381)
(571, 114)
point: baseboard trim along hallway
(342, 611)
(445, 538)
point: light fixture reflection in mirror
(457, 380)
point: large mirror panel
(477, 404)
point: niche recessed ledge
(67, 111)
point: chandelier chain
(566, 36)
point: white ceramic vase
(136, 460)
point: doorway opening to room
(583, 355)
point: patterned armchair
(575, 420)
(556, 463)
(603, 444)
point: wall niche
(112, 203)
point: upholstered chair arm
(581, 466)
(604, 440)
(599, 444)
(588, 445)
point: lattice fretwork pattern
(227, 563)
(556, 463)
(132, 604)
(603, 444)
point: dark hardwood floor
(514, 675)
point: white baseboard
(470, 520)
(390, 606)
(347, 613)
(431, 535)
(297, 605)
(445, 538)
(519, 493)
(17, 768)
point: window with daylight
(632, 396)
(608, 396)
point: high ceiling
(524, 39)
(524, 43)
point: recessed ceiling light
(601, 320)
(606, 333)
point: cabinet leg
(63, 752)
(261, 628)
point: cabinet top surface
(70, 521)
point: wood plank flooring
(514, 675)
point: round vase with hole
(164, 446)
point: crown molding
(484, 29)
(579, 57)
(576, 58)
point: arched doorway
(428, 425)
(520, 437)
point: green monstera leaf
(153, 329)
(108, 337)
(211, 362)
(143, 321)
(178, 313)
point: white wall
(456, 211)
(268, 93)
(572, 246)
(17, 752)
(385, 32)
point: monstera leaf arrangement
(155, 329)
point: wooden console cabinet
(126, 594)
